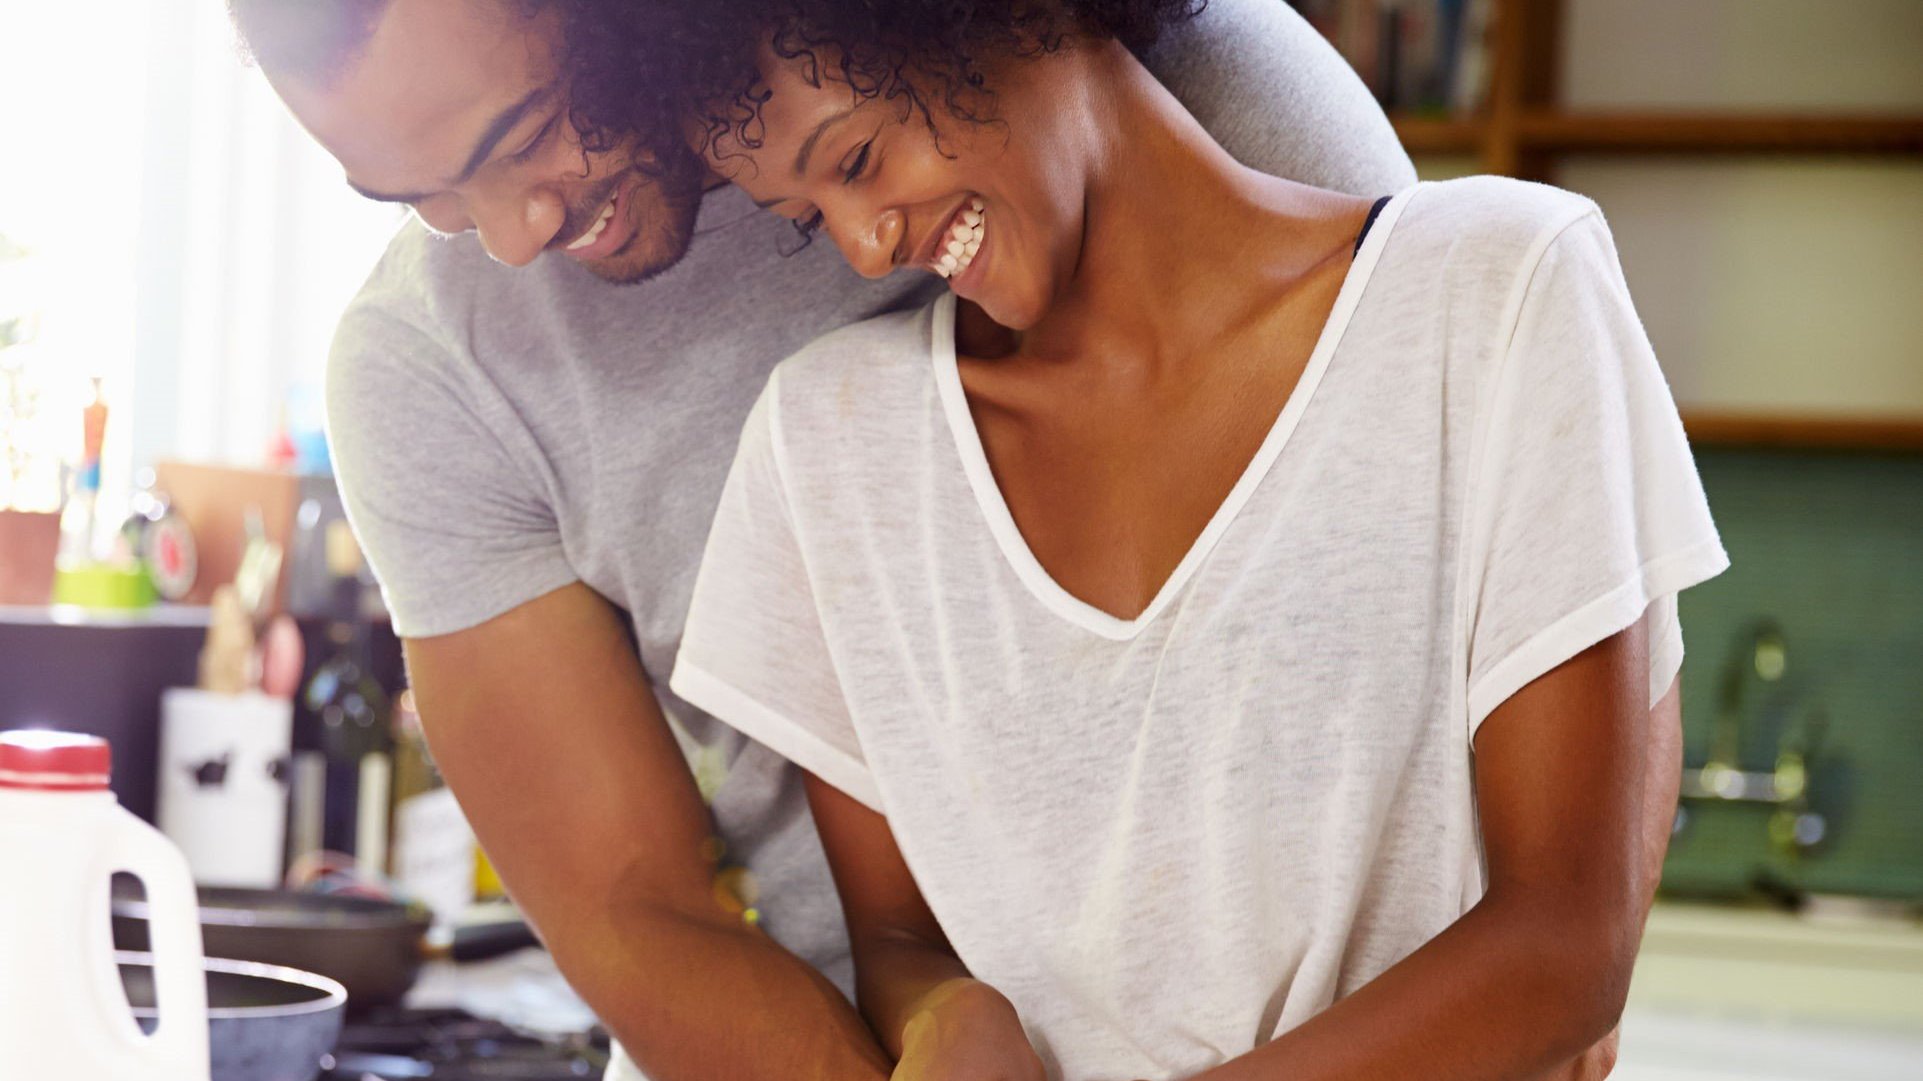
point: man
(531, 443)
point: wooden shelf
(1439, 135)
(1714, 134)
(1670, 133)
(1524, 129)
(1800, 432)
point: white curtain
(191, 244)
(250, 240)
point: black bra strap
(1370, 220)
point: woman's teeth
(963, 241)
(594, 231)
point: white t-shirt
(1168, 839)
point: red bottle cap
(54, 761)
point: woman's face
(994, 208)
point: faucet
(1794, 829)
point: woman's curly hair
(642, 70)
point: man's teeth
(594, 232)
(964, 240)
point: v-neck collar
(1001, 523)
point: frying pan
(373, 947)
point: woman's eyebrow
(808, 144)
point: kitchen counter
(1776, 965)
(1735, 994)
(1719, 994)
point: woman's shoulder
(884, 347)
(1501, 218)
(867, 377)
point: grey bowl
(264, 1022)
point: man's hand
(964, 1030)
(546, 729)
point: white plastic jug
(63, 1012)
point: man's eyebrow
(497, 130)
(808, 144)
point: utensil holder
(223, 783)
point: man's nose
(517, 228)
(869, 241)
(443, 214)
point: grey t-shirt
(500, 433)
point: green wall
(1829, 546)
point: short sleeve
(1586, 511)
(453, 521)
(754, 652)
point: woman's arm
(1538, 970)
(929, 1013)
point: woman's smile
(953, 249)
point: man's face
(457, 108)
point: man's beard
(666, 206)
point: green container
(100, 586)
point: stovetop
(451, 1045)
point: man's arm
(543, 724)
(1537, 971)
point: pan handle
(482, 941)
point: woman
(1239, 605)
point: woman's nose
(516, 228)
(870, 242)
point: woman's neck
(1181, 243)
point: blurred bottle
(434, 849)
(353, 709)
(78, 525)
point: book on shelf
(1418, 57)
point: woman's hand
(965, 1030)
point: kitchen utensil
(227, 660)
(264, 1022)
(62, 836)
(282, 653)
(259, 572)
(374, 948)
(223, 783)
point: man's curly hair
(640, 70)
